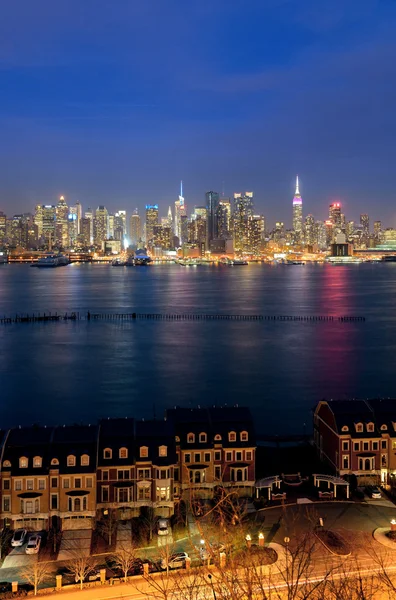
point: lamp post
(261, 539)
(393, 525)
(248, 540)
(211, 583)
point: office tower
(212, 205)
(134, 228)
(297, 214)
(89, 215)
(100, 223)
(170, 218)
(120, 225)
(38, 219)
(85, 232)
(343, 223)
(320, 235)
(377, 230)
(110, 225)
(310, 233)
(183, 229)
(255, 234)
(330, 232)
(3, 222)
(17, 232)
(79, 215)
(48, 222)
(242, 216)
(224, 218)
(335, 214)
(151, 221)
(349, 230)
(73, 224)
(365, 223)
(180, 209)
(61, 226)
(162, 236)
(279, 231)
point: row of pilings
(75, 316)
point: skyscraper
(49, 220)
(170, 218)
(135, 233)
(62, 226)
(365, 223)
(242, 217)
(89, 215)
(151, 222)
(73, 223)
(377, 231)
(310, 237)
(180, 209)
(335, 214)
(224, 218)
(100, 225)
(297, 214)
(38, 219)
(212, 205)
(3, 222)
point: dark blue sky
(114, 101)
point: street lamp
(393, 525)
(211, 583)
(248, 540)
(261, 539)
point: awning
(77, 493)
(198, 466)
(242, 465)
(29, 495)
(366, 455)
(123, 484)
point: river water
(78, 371)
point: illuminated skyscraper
(335, 214)
(151, 222)
(73, 223)
(212, 205)
(377, 231)
(3, 222)
(135, 233)
(89, 215)
(297, 214)
(180, 209)
(310, 237)
(224, 218)
(100, 225)
(49, 220)
(242, 221)
(38, 219)
(79, 215)
(120, 225)
(365, 223)
(170, 218)
(62, 225)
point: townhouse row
(67, 477)
(357, 438)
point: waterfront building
(377, 231)
(48, 212)
(73, 224)
(151, 222)
(330, 233)
(183, 229)
(321, 235)
(180, 209)
(310, 234)
(62, 223)
(110, 225)
(242, 221)
(100, 225)
(224, 218)
(297, 214)
(279, 232)
(38, 219)
(212, 206)
(89, 215)
(85, 232)
(350, 230)
(162, 236)
(120, 225)
(135, 233)
(335, 217)
(3, 223)
(170, 218)
(365, 223)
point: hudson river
(78, 371)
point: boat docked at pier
(52, 261)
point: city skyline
(114, 107)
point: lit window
(37, 462)
(30, 484)
(344, 428)
(248, 455)
(384, 427)
(345, 445)
(359, 427)
(244, 436)
(217, 437)
(71, 460)
(177, 439)
(143, 452)
(232, 436)
(370, 426)
(6, 464)
(163, 451)
(23, 462)
(123, 453)
(190, 438)
(202, 438)
(54, 461)
(107, 453)
(85, 460)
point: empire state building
(297, 215)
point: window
(163, 494)
(66, 483)
(107, 453)
(123, 453)
(356, 446)
(217, 437)
(345, 445)
(217, 455)
(207, 456)
(30, 484)
(375, 445)
(177, 439)
(187, 458)
(6, 503)
(383, 460)
(144, 493)
(162, 474)
(248, 455)
(190, 438)
(359, 427)
(23, 462)
(366, 446)
(383, 444)
(393, 445)
(54, 461)
(366, 464)
(85, 460)
(228, 456)
(123, 474)
(54, 501)
(176, 473)
(345, 461)
(6, 464)
(344, 428)
(105, 475)
(71, 460)
(384, 427)
(232, 436)
(77, 482)
(37, 462)
(123, 494)
(370, 426)
(238, 455)
(217, 472)
(143, 452)
(163, 451)
(244, 436)
(239, 474)
(105, 493)
(41, 484)
(203, 438)
(144, 473)
(6, 484)
(88, 482)
(54, 482)
(197, 457)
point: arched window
(177, 439)
(163, 451)
(107, 453)
(370, 426)
(232, 436)
(77, 504)
(197, 478)
(143, 451)
(190, 438)
(123, 453)
(367, 464)
(6, 464)
(71, 460)
(345, 428)
(23, 462)
(384, 427)
(239, 475)
(85, 460)
(203, 438)
(37, 462)
(244, 436)
(217, 437)
(359, 427)
(54, 461)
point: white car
(33, 545)
(176, 561)
(19, 538)
(163, 527)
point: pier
(75, 316)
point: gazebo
(268, 483)
(331, 481)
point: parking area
(75, 542)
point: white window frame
(84, 460)
(359, 427)
(345, 456)
(123, 450)
(6, 497)
(244, 436)
(249, 455)
(232, 436)
(370, 427)
(43, 481)
(89, 482)
(30, 482)
(64, 481)
(39, 462)
(21, 462)
(105, 487)
(191, 438)
(71, 460)
(163, 451)
(217, 437)
(143, 451)
(54, 495)
(345, 445)
(203, 438)
(108, 451)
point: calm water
(70, 372)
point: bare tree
(107, 526)
(36, 573)
(124, 558)
(80, 564)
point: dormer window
(54, 461)
(23, 462)
(232, 436)
(177, 439)
(107, 453)
(123, 453)
(345, 428)
(217, 437)
(359, 427)
(143, 452)
(163, 451)
(84, 460)
(203, 438)
(190, 438)
(6, 464)
(370, 426)
(384, 427)
(244, 436)
(71, 460)
(37, 462)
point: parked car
(175, 561)
(373, 492)
(33, 545)
(92, 576)
(163, 527)
(19, 538)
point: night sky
(114, 101)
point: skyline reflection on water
(71, 372)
